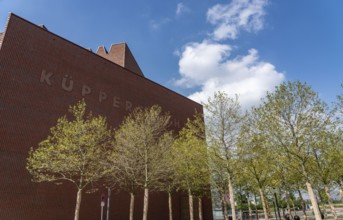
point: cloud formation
(157, 24)
(239, 15)
(210, 66)
(181, 8)
(199, 62)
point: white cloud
(239, 15)
(210, 66)
(181, 8)
(199, 62)
(157, 24)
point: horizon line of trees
(290, 143)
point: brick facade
(41, 74)
(121, 55)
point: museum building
(41, 75)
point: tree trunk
(224, 207)
(288, 206)
(314, 203)
(322, 203)
(232, 200)
(323, 212)
(281, 202)
(146, 204)
(267, 205)
(249, 207)
(333, 210)
(256, 210)
(264, 205)
(341, 193)
(132, 205)
(200, 208)
(146, 190)
(108, 203)
(190, 201)
(302, 204)
(277, 207)
(293, 207)
(241, 203)
(170, 206)
(78, 204)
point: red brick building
(41, 74)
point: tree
(219, 182)
(72, 151)
(327, 160)
(254, 162)
(123, 172)
(271, 170)
(191, 161)
(339, 173)
(287, 178)
(338, 176)
(143, 144)
(223, 123)
(168, 180)
(292, 118)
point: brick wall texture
(41, 74)
(121, 55)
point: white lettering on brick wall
(45, 77)
(66, 83)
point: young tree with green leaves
(327, 160)
(219, 182)
(122, 173)
(168, 181)
(223, 123)
(338, 176)
(339, 172)
(256, 164)
(191, 161)
(72, 151)
(292, 118)
(143, 144)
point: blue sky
(198, 47)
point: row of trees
(292, 142)
(142, 154)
